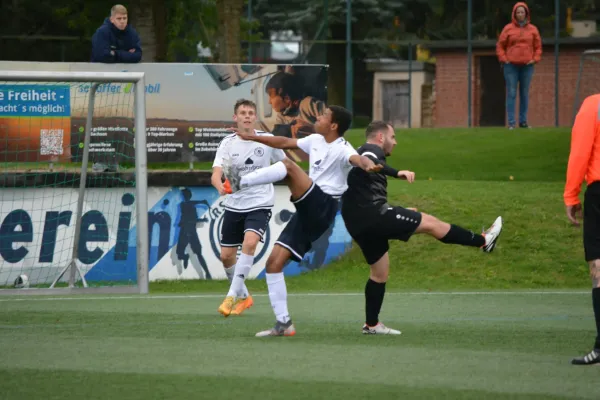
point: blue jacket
(108, 37)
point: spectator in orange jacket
(519, 48)
(584, 164)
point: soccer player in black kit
(372, 222)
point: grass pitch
(454, 346)
(492, 326)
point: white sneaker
(491, 235)
(280, 329)
(379, 329)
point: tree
(170, 30)
(229, 14)
(449, 20)
(216, 25)
(149, 19)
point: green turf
(480, 154)
(454, 346)
(453, 153)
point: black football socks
(462, 236)
(374, 293)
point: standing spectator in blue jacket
(115, 41)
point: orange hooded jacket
(584, 159)
(519, 44)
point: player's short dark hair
(243, 102)
(376, 126)
(286, 84)
(342, 117)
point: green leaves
(196, 21)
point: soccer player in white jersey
(315, 196)
(247, 211)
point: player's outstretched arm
(276, 142)
(393, 172)
(364, 163)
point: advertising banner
(38, 227)
(188, 109)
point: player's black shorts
(591, 222)
(315, 213)
(391, 223)
(235, 225)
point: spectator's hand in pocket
(531, 62)
(132, 50)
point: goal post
(54, 117)
(588, 82)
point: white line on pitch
(200, 296)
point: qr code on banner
(51, 142)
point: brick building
(488, 90)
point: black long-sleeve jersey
(367, 191)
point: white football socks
(271, 174)
(229, 272)
(278, 296)
(242, 269)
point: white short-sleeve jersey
(329, 163)
(246, 156)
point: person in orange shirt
(584, 163)
(519, 48)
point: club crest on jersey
(259, 151)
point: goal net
(588, 78)
(73, 187)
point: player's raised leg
(454, 234)
(297, 180)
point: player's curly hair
(243, 102)
(342, 117)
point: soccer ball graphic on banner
(22, 281)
